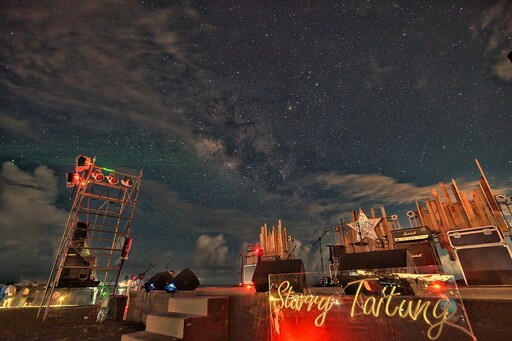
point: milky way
(242, 114)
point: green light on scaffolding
(108, 169)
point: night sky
(241, 113)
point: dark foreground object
(66, 323)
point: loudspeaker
(117, 306)
(373, 260)
(423, 255)
(158, 281)
(77, 271)
(186, 280)
(483, 254)
(79, 235)
(294, 267)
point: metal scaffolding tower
(96, 241)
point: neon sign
(334, 312)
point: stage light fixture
(171, 287)
(97, 175)
(127, 181)
(72, 179)
(83, 163)
(112, 179)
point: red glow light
(437, 286)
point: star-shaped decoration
(364, 226)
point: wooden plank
(478, 209)
(491, 200)
(480, 196)
(434, 227)
(444, 224)
(445, 193)
(442, 236)
(460, 206)
(450, 207)
(446, 207)
(469, 210)
(387, 228)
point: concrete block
(196, 305)
(147, 336)
(172, 324)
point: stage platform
(489, 310)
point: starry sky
(241, 113)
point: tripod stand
(319, 241)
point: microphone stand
(319, 241)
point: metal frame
(107, 210)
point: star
(364, 226)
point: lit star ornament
(364, 226)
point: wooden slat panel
(446, 207)
(460, 207)
(433, 219)
(491, 200)
(469, 210)
(443, 223)
(480, 197)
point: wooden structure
(449, 209)
(444, 212)
(275, 242)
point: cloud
(379, 187)
(30, 221)
(210, 252)
(496, 26)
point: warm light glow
(127, 182)
(112, 179)
(97, 175)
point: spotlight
(127, 181)
(82, 163)
(112, 179)
(72, 179)
(171, 287)
(97, 175)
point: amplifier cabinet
(483, 254)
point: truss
(96, 241)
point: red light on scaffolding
(83, 163)
(112, 179)
(127, 181)
(72, 179)
(126, 248)
(97, 175)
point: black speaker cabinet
(373, 260)
(186, 280)
(483, 254)
(77, 271)
(423, 257)
(158, 281)
(294, 267)
(117, 306)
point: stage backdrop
(368, 305)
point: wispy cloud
(496, 23)
(30, 221)
(211, 252)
